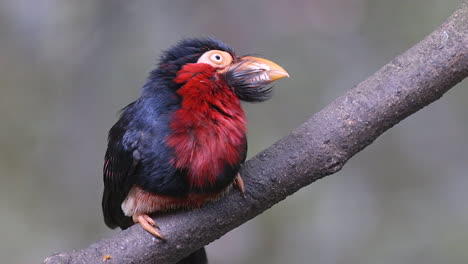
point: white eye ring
(216, 57)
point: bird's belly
(139, 201)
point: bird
(182, 143)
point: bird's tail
(197, 257)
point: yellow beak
(258, 69)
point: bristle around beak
(250, 77)
(259, 69)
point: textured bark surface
(319, 147)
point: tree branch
(319, 147)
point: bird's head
(247, 76)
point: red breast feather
(208, 130)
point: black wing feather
(121, 159)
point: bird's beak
(257, 71)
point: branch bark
(319, 147)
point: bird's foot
(240, 184)
(148, 224)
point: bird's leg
(148, 224)
(240, 184)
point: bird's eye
(216, 58)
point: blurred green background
(67, 67)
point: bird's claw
(240, 184)
(148, 224)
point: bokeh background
(67, 67)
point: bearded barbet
(182, 143)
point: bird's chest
(208, 136)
